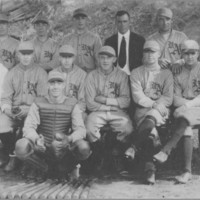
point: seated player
(187, 103)
(152, 92)
(21, 86)
(107, 98)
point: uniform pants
(119, 122)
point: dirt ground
(132, 186)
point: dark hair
(122, 12)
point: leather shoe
(184, 178)
(150, 177)
(160, 157)
(3, 161)
(11, 165)
(130, 152)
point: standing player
(22, 85)
(86, 43)
(152, 92)
(107, 98)
(45, 47)
(168, 39)
(187, 102)
(8, 45)
(74, 75)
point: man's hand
(63, 140)
(164, 63)
(161, 109)
(176, 68)
(8, 112)
(39, 144)
(100, 99)
(114, 108)
(180, 109)
(23, 112)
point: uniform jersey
(3, 72)
(22, 86)
(113, 85)
(149, 86)
(46, 53)
(170, 49)
(75, 84)
(8, 48)
(87, 46)
(187, 85)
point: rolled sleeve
(78, 127)
(31, 123)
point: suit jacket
(136, 43)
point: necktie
(122, 53)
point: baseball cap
(151, 45)
(80, 12)
(41, 19)
(166, 12)
(3, 18)
(26, 47)
(56, 76)
(67, 51)
(189, 46)
(107, 50)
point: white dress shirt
(127, 38)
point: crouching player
(107, 98)
(48, 143)
(152, 92)
(187, 102)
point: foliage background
(102, 15)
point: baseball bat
(64, 191)
(50, 191)
(55, 193)
(11, 194)
(37, 194)
(71, 190)
(25, 194)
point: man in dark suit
(128, 45)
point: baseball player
(187, 103)
(22, 85)
(74, 75)
(152, 92)
(45, 47)
(8, 45)
(168, 39)
(47, 141)
(86, 43)
(107, 98)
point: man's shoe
(150, 177)
(130, 152)
(184, 178)
(11, 165)
(160, 157)
(3, 160)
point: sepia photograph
(99, 99)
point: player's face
(106, 62)
(191, 57)
(164, 23)
(41, 29)
(80, 22)
(25, 59)
(67, 62)
(3, 28)
(150, 57)
(56, 88)
(123, 23)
